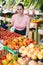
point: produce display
(14, 40)
(10, 59)
(35, 20)
(7, 58)
(18, 42)
(16, 49)
(7, 35)
(3, 54)
(32, 51)
(19, 50)
(35, 4)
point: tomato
(28, 42)
(4, 57)
(11, 46)
(0, 60)
(5, 42)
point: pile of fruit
(26, 47)
(18, 42)
(35, 20)
(7, 35)
(32, 51)
(14, 40)
(10, 59)
(3, 54)
(7, 58)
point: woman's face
(20, 10)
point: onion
(32, 63)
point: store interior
(17, 49)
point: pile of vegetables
(27, 3)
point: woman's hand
(8, 25)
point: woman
(20, 21)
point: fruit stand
(16, 49)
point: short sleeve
(13, 18)
(28, 18)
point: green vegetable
(15, 57)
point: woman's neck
(20, 15)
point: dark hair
(20, 4)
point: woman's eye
(19, 9)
